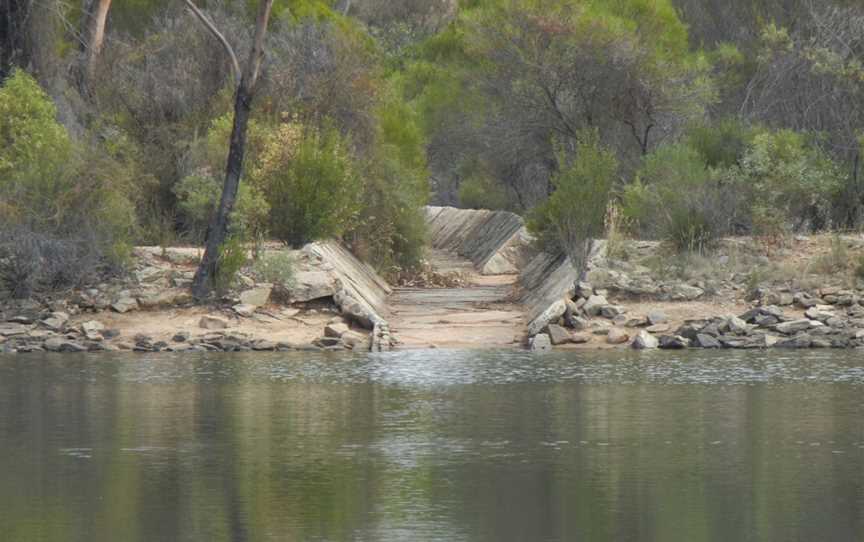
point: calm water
(423, 446)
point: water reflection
(437, 445)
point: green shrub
(197, 197)
(276, 268)
(316, 193)
(789, 183)
(51, 187)
(35, 153)
(390, 231)
(837, 259)
(573, 216)
(677, 199)
(480, 192)
(232, 258)
(721, 144)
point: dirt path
(476, 316)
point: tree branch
(235, 64)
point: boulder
(258, 296)
(181, 337)
(611, 311)
(703, 340)
(262, 345)
(309, 285)
(684, 292)
(540, 343)
(673, 342)
(13, 330)
(559, 335)
(56, 321)
(617, 336)
(170, 297)
(737, 326)
(594, 304)
(357, 341)
(795, 326)
(658, 328)
(213, 322)
(584, 289)
(92, 326)
(550, 315)
(336, 330)
(645, 341)
(244, 310)
(60, 344)
(125, 304)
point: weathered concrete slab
(496, 242)
(360, 292)
(546, 282)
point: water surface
(433, 445)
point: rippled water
(433, 445)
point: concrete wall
(360, 292)
(546, 282)
(496, 242)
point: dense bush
(789, 184)
(675, 197)
(315, 193)
(573, 215)
(59, 197)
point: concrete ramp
(496, 242)
(360, 292)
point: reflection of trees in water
(250, 459)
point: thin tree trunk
(95, 17)
(217, 232)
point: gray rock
(559, 335)
(169, 297)
(673, 342)
(550, 315)
(262, 345)
(584, 289)
(594, 304)
(684, 292)
(766, 320)
(13, 330)
(645, 341)
(56, 321)
(658, 328)
(336, 330)
(737, 326)
(611, 311)
(309, 285)
(817, 313)
(325, 342)
(540, 343)
(703, 340)
(258, 296)
(125, 304)
(354, 340)
(213, 322)
(244, 310)
(795, 326)
(181, 337)
(799, 341)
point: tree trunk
(95, 17)
(218, 230)
(13, 14)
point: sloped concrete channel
(512, 290)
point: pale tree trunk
(217, 232)
(93, 37)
